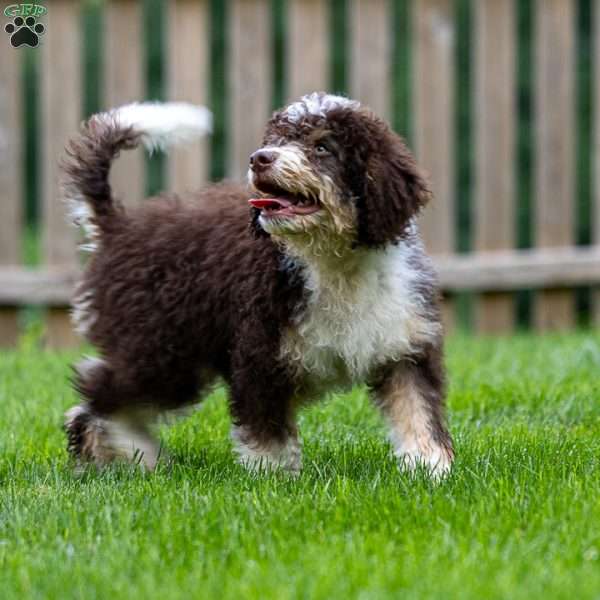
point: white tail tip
(164, 124)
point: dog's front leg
(411, 396)
(264, 432)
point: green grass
(518, 518)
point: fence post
(371, 54)
(370, 61)
(308, 36)
(494, 51)
(250, 80)
(124, 83)
(555, 190)
(10, 179)
(61, 115)
(188, 51)
(433, 101)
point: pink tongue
(272, 203)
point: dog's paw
(437, 462)
(25, 32)
(258, 457)
(101, 441)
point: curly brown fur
(174, 315)
(89, 160)
(329, 286)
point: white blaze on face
(317, 104)
(291, 171)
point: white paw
(102, 440)
(133, 444)
(256, 456)
(436, 462)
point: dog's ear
(255, 228)
(394, 191)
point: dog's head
(329, 166)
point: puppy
(311, 280)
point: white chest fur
(360, 317)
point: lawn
(518, 518)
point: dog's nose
(262, 160)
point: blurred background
(496, 97)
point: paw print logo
(24, 32)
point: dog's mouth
(279, 202)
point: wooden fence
(493, 271)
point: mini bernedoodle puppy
(311, 279)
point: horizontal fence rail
(487, 91)
(500, 271)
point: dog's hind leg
(410, 394)
(100, 440)
(100, 431)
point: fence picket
(308, 36)
(124, 83)
(371, 54)
(250, 80)
(61, 115)
(188, 81)
(10, 181)
(495, 41)
(555, 190)
(433, 101)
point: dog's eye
(321, 150)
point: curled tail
(103, 136)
